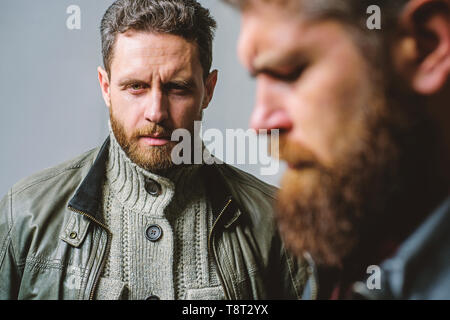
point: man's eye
(291, 76)
(180, 91)
(177, 89)
(136, 86)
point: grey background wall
(51, 105)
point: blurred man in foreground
(364, 119)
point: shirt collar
(420, 269)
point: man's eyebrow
(127, 82)
(186, 83)
(266, 62)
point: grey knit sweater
(175, 266)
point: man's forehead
(139, 51)
(252, 4)
(154, 44)
(272, 33)
(267, 43)
(307, 9)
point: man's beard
(338, 214)
(151, 158)
(321, 210)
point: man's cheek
(184, 117)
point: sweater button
(152, 298)
(152, 187)
(153, 233)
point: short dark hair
(185, 18)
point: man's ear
(423, 54)
(103, 79)
(210, 85)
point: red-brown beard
(312, 218)
(327, 211)
(151, 158)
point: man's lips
(155, 140)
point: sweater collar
(130, 183)
(87, 198)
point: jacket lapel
(87, 198)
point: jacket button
(153, 298)
(73, 235)
(152, 187)
(153, 233)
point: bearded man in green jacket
(122, 221)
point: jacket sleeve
(9, 276)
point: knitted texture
(177, 266)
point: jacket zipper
(313, 287)
(227, 296)
(313, 276)
(108, 244)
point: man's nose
(156, 109)
(269, 112)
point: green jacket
(53, 241)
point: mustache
(296, 154)
(153, 129)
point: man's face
(156, 85)
(312, 82)
(314, 85)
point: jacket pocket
(49, 280)
(111, 289)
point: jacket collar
(222, 201)
(87, 198)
